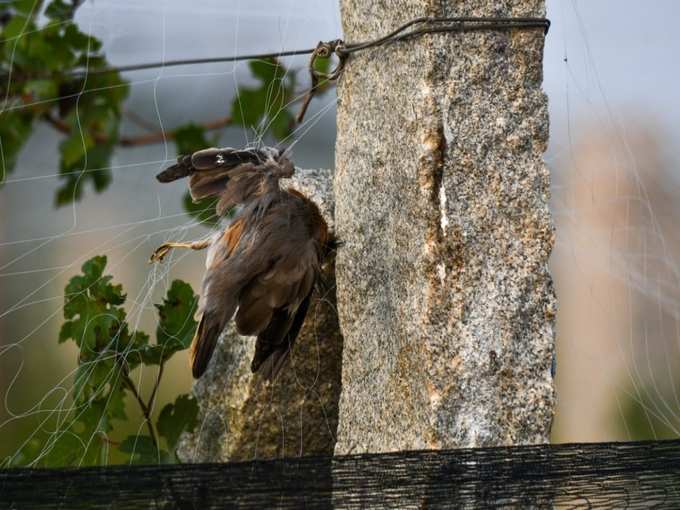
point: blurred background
(615, 120)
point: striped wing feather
(233, 175)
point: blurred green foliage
(265, 107)
(646, 414)
(37, 65)
(49, 74)
(109, 351)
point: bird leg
(160, 252)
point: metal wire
(428, 25)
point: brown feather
(264, 266)
(203, 344)
(208, 184)
(275, 343)
(232, 235)
(254, 317)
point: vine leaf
(265, 108)
(176, 418)
(142, 450)
(34, 44)
(91, 307)
(176, 324)
(96, 322)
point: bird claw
(159, 253)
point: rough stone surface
(242, 416)
(444, 296)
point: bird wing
(218, 298)
(233, 175)
(207, 160)
(273, 307)
(267, 269)
(275, 343)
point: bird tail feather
(203, 344)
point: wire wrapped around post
(423, 25)
(323, 50)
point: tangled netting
(603, 475)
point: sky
(620, 53)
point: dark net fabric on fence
(612, 475)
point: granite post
(444, 297)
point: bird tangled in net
(262, 268)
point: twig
(161, 136)
(152, 398)
(145, 409)
(105, 439)
(140, 121)
(134, 141)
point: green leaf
(140, 445)
(133, 348)
(265, 108)
(182, 416)
(62, 11)
(59, 10)
(16, 26)
(26, 6)
(95, 378)
(15, 128)
(93, 269)
(75, 147)
(190, 138)
(94, 127)
(176, 325)
(80, 40)
(249, 106)
(41, 52)
(90, 167)
(79, 440)
(91, 305)
(67, 449)
(265, 69)
(282, 124)
(143, 451)
(153, 354)
(202, 210)
(42, 89)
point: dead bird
(262, 268)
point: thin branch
(105, 439)
(134, 141)
(140, 121)
(161, 136)
(152, 398)
(145, 409)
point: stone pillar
(242, 417)
(444, 297)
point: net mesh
(597, 475)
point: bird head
(276, 161)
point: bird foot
(159, 253)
